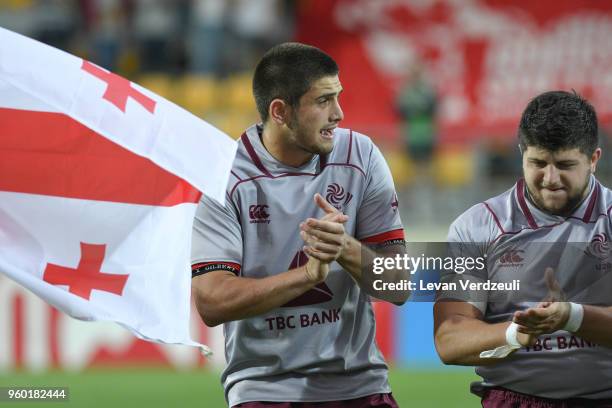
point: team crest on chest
(599, 248)
(337, 196)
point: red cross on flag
(99, 182)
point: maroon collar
(257, 161)
(520, 195)
(253, 154)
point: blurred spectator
(504, 160)
(417, 104)
(156, 26)
(254, 27)
(108, 30)
(19, 16)
(216, 37)
(206, 36)
(57, 22)
(604, 168)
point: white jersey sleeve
(476, 225)
(378, 214)
(217, 238)
(469, 237)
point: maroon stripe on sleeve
(520, 195)
(495, 218)
(253, 154)
(591, 206)
(385, 236)
(348, 156)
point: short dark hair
(559, 120)
(286, 72)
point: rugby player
(280, 265)
(555, 353)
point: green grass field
(155, 387)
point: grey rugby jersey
(320, 346)
(516, 238)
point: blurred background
(438, 84)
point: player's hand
(526, 340)
(547, 317)
(325, 238)
(555, 292)
(316, 271)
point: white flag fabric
(99, 182)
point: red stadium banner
(486, 58)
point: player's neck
(282, 149)
(566, 212)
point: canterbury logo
(337, 197)
(258, 213)
(512, 257)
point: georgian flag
(99, 182)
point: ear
(594, 159)
(278, 111)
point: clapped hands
(546, 317)
(324, 237)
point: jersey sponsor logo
(258, 214)
(512, 257)
(337, 196)
(319, 294)
(303, 319)
(561, 342)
